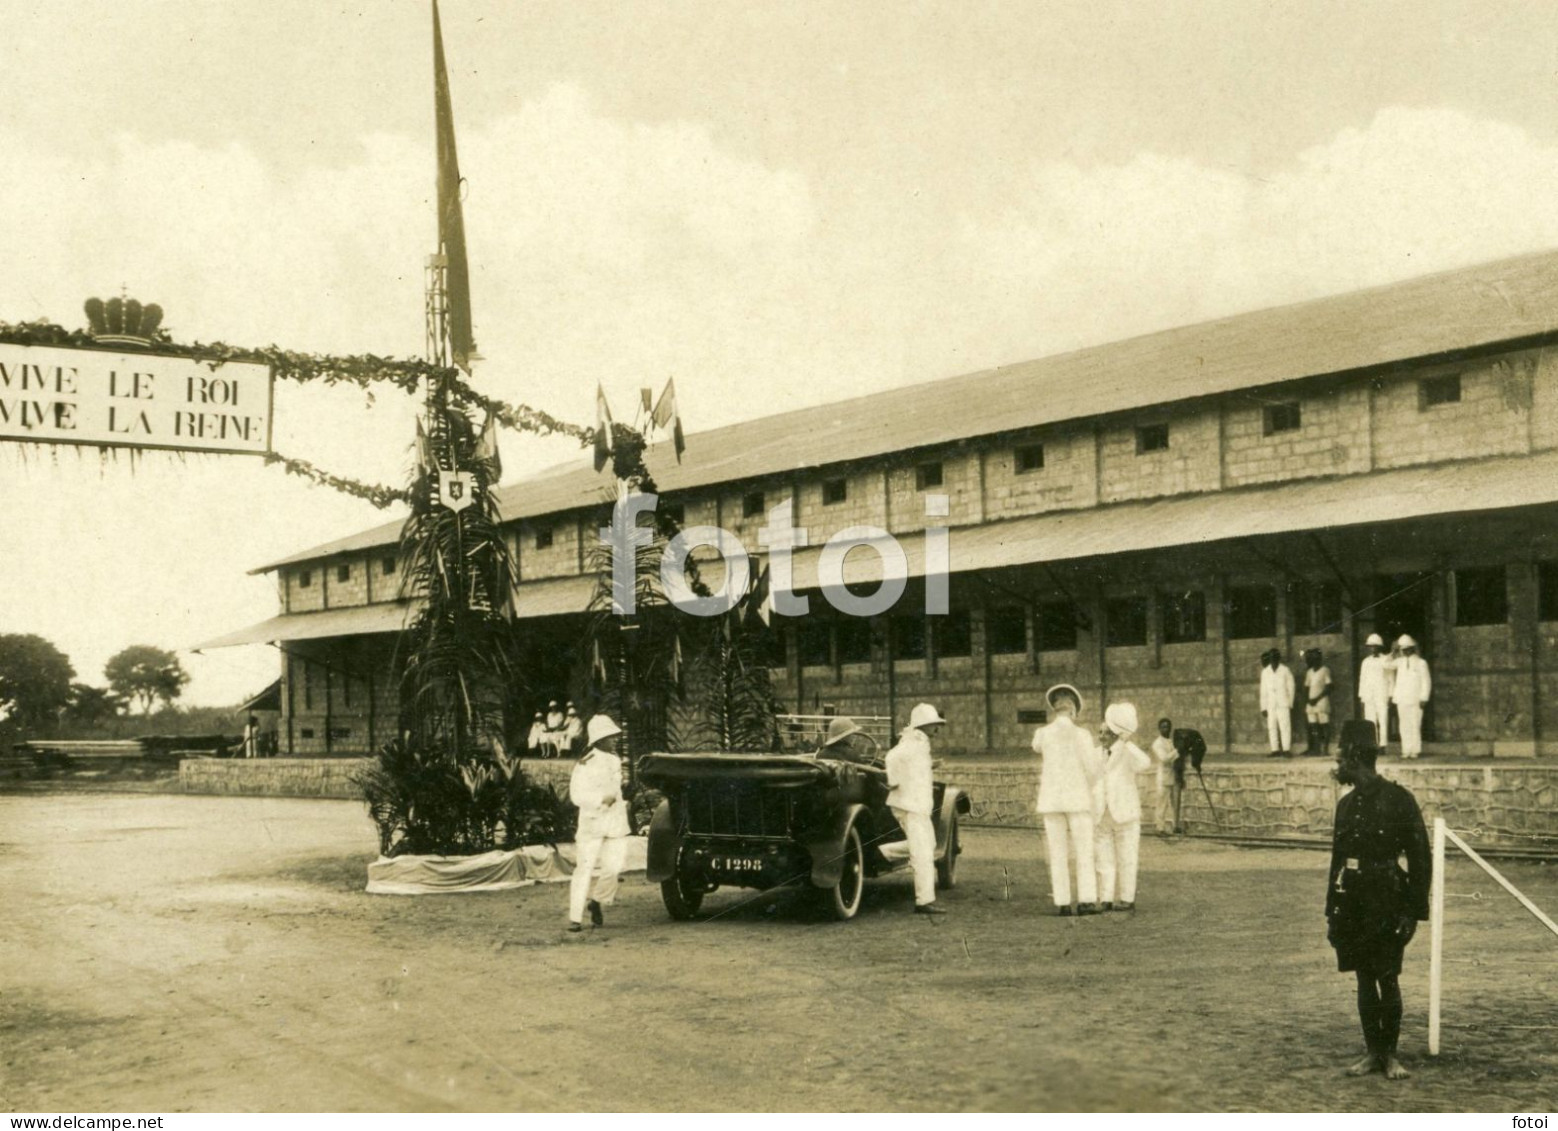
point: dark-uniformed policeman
(1372, 905)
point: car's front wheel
(843, 899)
(682, 899)
(947, 866)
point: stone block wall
(1068, 479)
(1491, 418)
(279, 777)
(1506, 805)
(959, 482)
(1189, 464)
(1332, 438)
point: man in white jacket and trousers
(1070, 764)
(1413, 687)
(1374, 679)
(1117, 808)
(910, 794)
(596, 788)
(1276, 702)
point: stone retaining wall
(312, 777)
(1508, 804)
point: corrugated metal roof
(549, 598)
(1181, 520)
(1505, 301)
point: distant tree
(143, 674)
(34, 679)
(92, 705)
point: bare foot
(1363, 1067)
(1394, 1069)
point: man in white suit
(1276, 703)
(1070, 765)
(1413, 688)
(1374, 679)
(1117, 808)
(910, 795)
(596, 788)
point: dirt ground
(167, 953)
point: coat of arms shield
(455, 489)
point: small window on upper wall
(388, 565)
(1028, 458)
(1433, 391)
(343, 572)
(1252, 612)
(1152, 438)
(1006, 630)
(834, 491)
(543, 537)
(928, 475)
(305, 578)
(1184, 617)
(1057, 626)
(953, 634)
(1547, 590)
(1481, 597)
(752, 504)
(1125, 622)
(1283, 418)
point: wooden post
(1436, 938)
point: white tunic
(909, 784)
(1276, 688)
(1070, 765)
(596, 788)
(1116, 793)
(1164, 751)
(1413, 683)
(1374, 678)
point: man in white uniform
(596, 788)
(1411, 694)
(1070, 765)
(1374, 679)
(1276, 703)
(1117, 807)
(1317, 704)
(909, 795)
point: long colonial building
(1142, 519)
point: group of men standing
(1089, 803)
(1400, 677)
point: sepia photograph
(674, 556)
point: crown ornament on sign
(123, 321)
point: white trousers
(608, 852)
(1377, 711)
(921, 835)
(1119, 855)
(1062, 831)
(1279, 728)
(1410, 718)
(1167, 795)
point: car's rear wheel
(842, 900)
(947, 867)
(682, 899)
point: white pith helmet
(601, 727)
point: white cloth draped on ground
(490, 871)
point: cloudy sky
(778, 203)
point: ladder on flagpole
(1442, 834)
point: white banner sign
(137, 400)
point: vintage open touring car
(781, 820)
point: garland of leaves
(363, 370)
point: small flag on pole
(487, 454)
(667, 414)
(603, 441)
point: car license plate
(736, 864)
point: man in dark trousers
(1372, 907)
